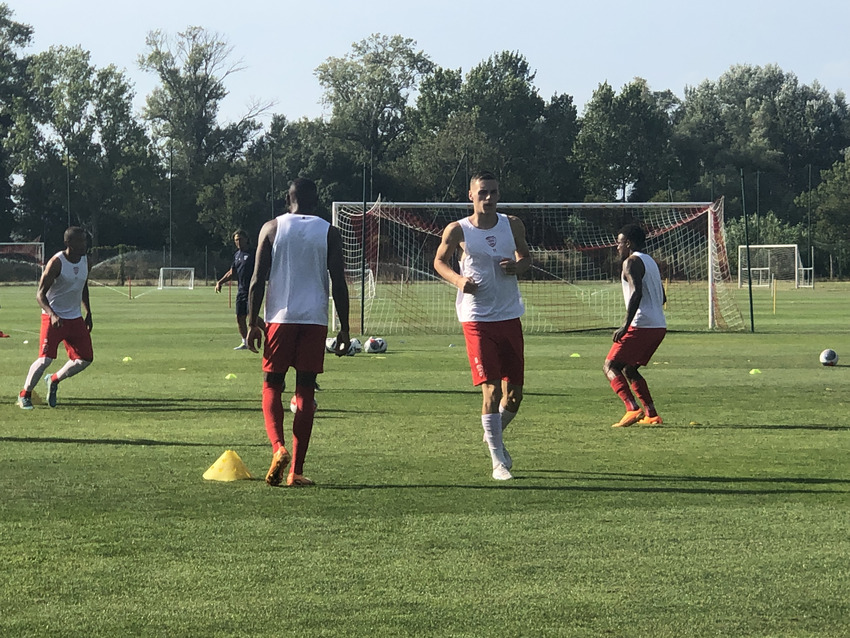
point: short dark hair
(74, 230)
(306, 192)
(635, 234)
(481, 176)
(240, 233)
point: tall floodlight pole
(271, 153)
(170, 202)
(68, 184)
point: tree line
(400, 126)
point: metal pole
(68, 183)
(363, 259)
(170, 202)
(271, 146)
(747, 242)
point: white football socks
(492, 424)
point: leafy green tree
(14, 38)
(830, 207)
(501, 93)
(368, 90)
(196, 150)
(86, 157)
(762, 121)
(623, 141)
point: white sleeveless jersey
(650, 313)
(497, 297)
(65, 295)
(298, 279)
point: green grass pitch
(732, 519)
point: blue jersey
(243, 270)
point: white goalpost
(21, 261)
(176, 278)
(771, 262)
(574, 281)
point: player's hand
(88, 321)
(467, 286)
(620, 333)
(255, 337)
(56, 321)
(508, 267)
(343, 343)
(218, 286)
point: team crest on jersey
(491, 241)
(76, 270)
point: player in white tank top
(642, 331)
(296, 253)
(62, 291)
(492, 251)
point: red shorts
(495, 350)
(294, 345)
(74, 332)
(637, 346)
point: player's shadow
(151, 404)
(117, 441)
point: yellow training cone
(228, 467)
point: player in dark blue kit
(241, 270)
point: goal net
(769, 262)
(574, 281)
(21, 262)
(176, 278)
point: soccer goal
(773, 262)
(574, 281)
(176, 278)
(21, 261)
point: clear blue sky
(573, 46)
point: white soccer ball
(330, 344)
(293, 406)
(829, 357)
(375, 345)
(355, 347)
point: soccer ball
(355, 347)
(375, 345)
(829, 357)
(293, 406)
(330, 344)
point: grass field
(731, 519)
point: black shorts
(241, 305)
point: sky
(572, 46)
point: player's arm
(224, 279)
(51, 272)
(339, 289)
(522, 260)
(633, 271)
(257, 288)
(449, 244)
(87, 305)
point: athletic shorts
(495, 351)
(241, 304)
(74, 332)
(637, 346)
(294, 345)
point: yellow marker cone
(127, 359)
(755, 371)
(228, 467)
(575, 355)
(230, 376)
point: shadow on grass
(517, 484)
(143, 404)
(627, 476)
(150, 442)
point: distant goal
(574, 282)
(176, 278)
(21, 261)
(773, 262)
